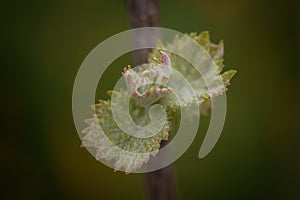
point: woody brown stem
(160, 184)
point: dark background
(42, 46)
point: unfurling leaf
(150, 84)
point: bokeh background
(42, 46)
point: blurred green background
(42, 46)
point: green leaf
(127, 153)
(210, 83)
